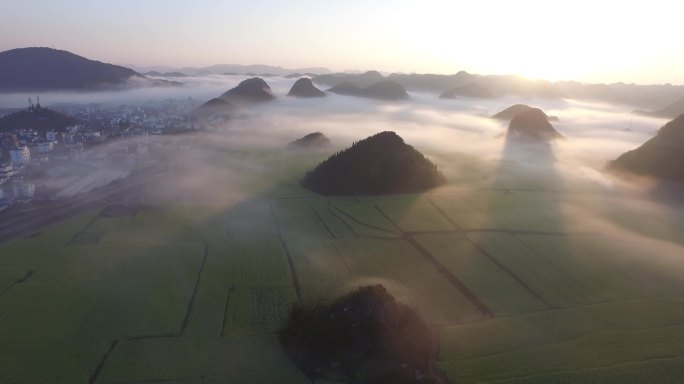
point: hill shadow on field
(494, 224)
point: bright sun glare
(579, 41)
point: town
(88, 147)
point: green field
(523, 287)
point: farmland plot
(196, 293)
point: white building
(6, 171)
(20, 156)
(51, 136)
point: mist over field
(458, 135)
(532, 228)
(468, 146)
(595, 133)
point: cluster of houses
(21, 147)
(28, 157)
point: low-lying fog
(457, 134)
(247, 156)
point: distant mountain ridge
(641, 96)
(475, 90)
(43, 69)
(382, 90)
(239, 69)
(672, 110)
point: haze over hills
(432, 82)
(220, 69)
(215, 107)
(361, 79)
(305, 88)
(383, 90)
(41, 69)
(672, 110)
(345, 88)
(474, 89)
(491, 86)
(315, 140)
(661, 157)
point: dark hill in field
(314, 140)
(363, 337)
(661, 157)
(39, 69)
(253, 90)
(40, 119)
(474, 89)
(380, 164)
(305, 88)
(383, 90)
(533, 123)
(215, 107)
(346, 88)
(510, 112)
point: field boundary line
(87, 226)
(161, 381)
(444, 215)
(589, 369)
(99, 367)
(389, 220)
(320, 220)
(572, 339)
(288, 256)
(353, 231)
(225, 311)
(194, 291)
(357, 221)
(94, 376)
(444, 271)
(453, 279)
(20, 280)
(491, 258)
(508, 271)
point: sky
(592, 41)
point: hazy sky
(631, 41)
